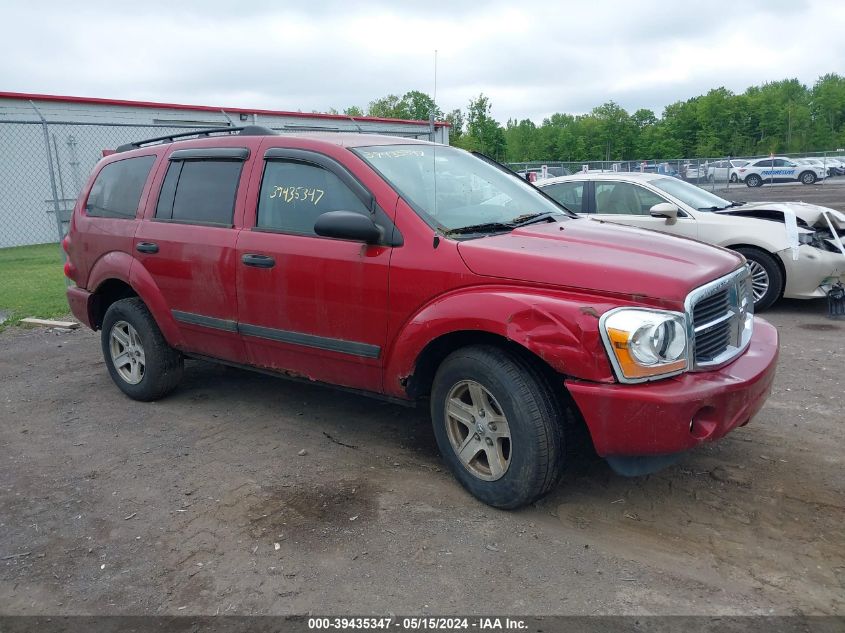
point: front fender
(561, 328)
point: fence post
(52, 176)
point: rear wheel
(766, 277)
(753, 180)
(807, 178)
(499, 425)
(733, 178)
(140, 361)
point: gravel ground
(203, 504)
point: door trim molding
(206, 321)
(353, 348)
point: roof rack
(248, 130)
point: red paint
(181, 106)
(654, 418)
(542, 287)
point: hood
(599, 256)
(812, 215)
(829, 224)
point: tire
(807, 178)
(753, 180)
(150, 368)
(514, 394)
(733, 178)
(766, 277)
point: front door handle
(258, 261)
(147, 247)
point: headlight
(645, 344)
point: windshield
(470, 193)
(696, 197)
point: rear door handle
(147, 247)
(258, 261)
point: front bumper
(673, 415)
(813, 269)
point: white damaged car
(795, 250)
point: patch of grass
(32, 282)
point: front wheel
(499, 425)
(753, 180)
(140, 361)
(807, 178)
(766, 277)
(733, 178)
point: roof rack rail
(248, 130)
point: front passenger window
(624, 198)
(294, 194)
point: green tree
(389, 107)
(484, 133)
(420, 106)
(455, 119)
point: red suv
(413, 271)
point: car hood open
(599, 256)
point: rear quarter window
(117, 189)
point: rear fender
(144, 284)
(560, 329)
(121, 266)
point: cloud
(531, 59)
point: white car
(795, 250)
(694, 172)
(725, 170)
(831, 166)
(778, 169)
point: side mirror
(348, 225)
(665, 210)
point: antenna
(435, 75)
(434, 140)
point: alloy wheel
(478, 430)
(759, 280)
(127, 352)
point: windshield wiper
(532, 218)
(487, 227)
(492, 227)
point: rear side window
(200, 191)
(569, 194)
(294, 194)
(117, 188)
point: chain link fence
(46, 164)
(715, 173)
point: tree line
(777, 117)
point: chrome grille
(721, 319)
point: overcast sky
(532, 58)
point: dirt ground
(201, 503)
